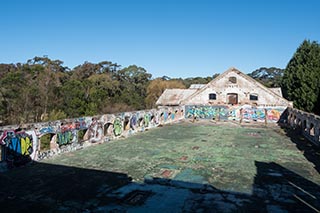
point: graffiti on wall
(207, 112)
(95, 130)
(146, 120)
(245, 112)
(133, 122)
(17, 147)
(117, 127)
(71, 134)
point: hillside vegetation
(42, 89)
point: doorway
(232, 98)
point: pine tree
(301, 80)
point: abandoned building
(230, 88)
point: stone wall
(308, 123)
(37, 141)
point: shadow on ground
(53, 188)
(310, 151)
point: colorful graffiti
(274, 114)
(207, 112)
(20, 142)
(245, 113)
(64, 138)
(80, 123)
(146, 120)
(117, 127)
(70, 134)
(133, 122)
(18, 147)
(47, 129)
(95, 130)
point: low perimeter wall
(37, 141)
(308, 123)
(20, 144)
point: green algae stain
(223, 155)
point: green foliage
(43, 89)
(269, 77)
(56, 115)
(45, 142)
(301, 78)
(197, 80)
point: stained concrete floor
(185, 167)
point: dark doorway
(232, 98)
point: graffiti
(20, 143)
(206, 112)
(133, 122)
(274, 114)
(81, 124)
(117, 127)
(67, 127)
(95, 131)
(165, 116)
(18, 147)
(146, 120)
(173, 116)
(247, 113)
(48, 129)
(64, 138)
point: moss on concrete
(221, 155)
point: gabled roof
(174, 96)
(222, 75)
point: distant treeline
(43, 89)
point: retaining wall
(37, 141)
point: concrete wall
(243, 113)
(308, 123)
(20, 144)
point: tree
(301, 78)
(198, 80)
(269, 77)
(157, 87)
(133, 85)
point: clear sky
(177, 38)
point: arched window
(233, 80)
(253, 97)
(212, 96)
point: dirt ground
(186, 167)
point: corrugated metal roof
(174, 96)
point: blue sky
(177, 38)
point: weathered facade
(232, 95)
(230, 88)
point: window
(253, 97)
(212, 96)
(233, 80)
